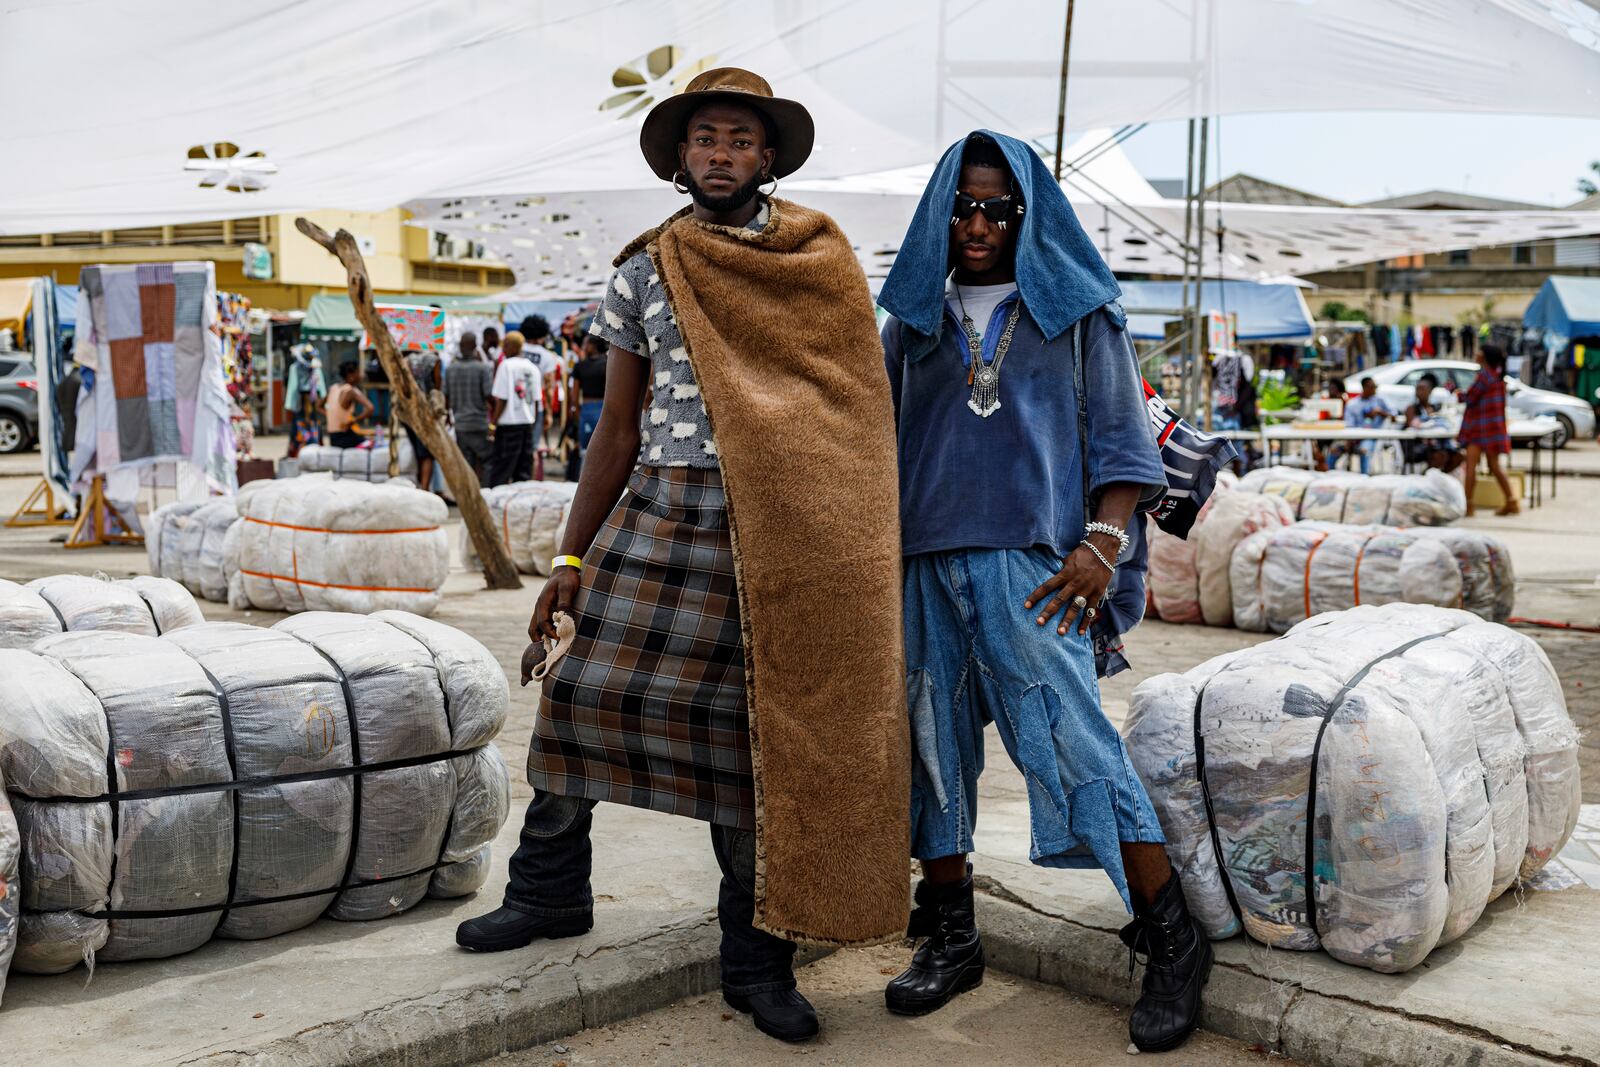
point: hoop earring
(684, 189)
(769, 193)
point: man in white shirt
(516, 412)
(552, 372)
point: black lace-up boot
(950, 960)
(1177, 959)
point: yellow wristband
(566, 561)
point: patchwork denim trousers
(975, 655)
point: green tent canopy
(331, 315)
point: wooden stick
(498, 570)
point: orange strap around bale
(320, 529)
(334, 585)
(1356, 576)
(1309, 556)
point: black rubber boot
(508, 928)
(1177, 959)
(781, 1013)
(950, 960)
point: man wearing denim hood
(1025, 450)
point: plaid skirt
(649, 707)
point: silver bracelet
(1100, 556)
(1110, 531)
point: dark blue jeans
(550, 876)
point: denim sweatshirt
(1017, 478)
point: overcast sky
(1366, 156)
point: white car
(1397, 384)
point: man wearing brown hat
(757, 537)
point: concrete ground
(1517, 989)
(1005, 1022)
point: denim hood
(1059, 274)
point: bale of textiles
(1283, 576)
(10, 886)
(531, 516)
(1189, 579)
(1431, 498)
(1429, 751)
(316, 544)
(359, 464)
(185, 541)
(338, 765)
(45, 606)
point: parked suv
(1397, 384)
(19, 402)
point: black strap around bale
(155, 620)
(62, 619)
(1311, 787)
(115, 797)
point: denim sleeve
(1122, 446)
(893, 361)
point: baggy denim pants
(550, 877)
(975, 655)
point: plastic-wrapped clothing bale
(366, 743)
(186, 542)
(25, 616)
(530, 517)
(1403, 736)
(142, 605)
(10, 886)
(1431, 498)
(156, 526)
(1174, 576)
(316, 544)
(1189, 579)
(358, 464)
(1280, 577)
(1233, 517)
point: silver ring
(1090, 614)
(1079, 601)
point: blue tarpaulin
(1266, 312)
(66, 307)
(1570, 306)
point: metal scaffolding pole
(1201, 412)
(1188, 253)
(1061, 106)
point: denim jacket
(1016, 479)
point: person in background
(515, 413)
(587, 390)
(1483, 426)
(1231, 390)
(424, 366)
(468, 385)
(346, 403)
(536, 332)
(491, 347)
(1422, 413)
(1368, 411)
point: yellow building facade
(400, 258)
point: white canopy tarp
(560, 245)
(363, 105)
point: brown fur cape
(780, 331)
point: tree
(1586, 186)
(498, 570)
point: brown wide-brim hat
(663, 128)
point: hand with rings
(1071, 593)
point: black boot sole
(1173, 1042)
(741, 1004)
(971, 977)
(553, 931)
